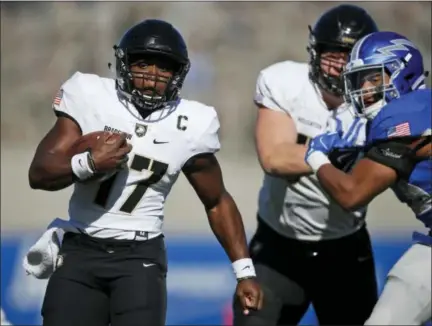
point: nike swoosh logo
(246, 267)
(362, 259)
(147, 265)
(322, 143)
(159, 142)
(80, 162)
(341, 158)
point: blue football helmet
(382, 67)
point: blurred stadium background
(42, 44)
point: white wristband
(316, 160)
(81, 167)
(243, 268)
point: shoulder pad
(199, 114)
(409, 116)
(194, 107)
(280, 84)
(86, 82)
(73, 100)
(203, 127)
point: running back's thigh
(138, 293)
(73, 297)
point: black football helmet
(157, 38)
(337, 30)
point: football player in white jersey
(307, 249)
(113, 264)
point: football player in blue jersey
(385, 82)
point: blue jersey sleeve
(406, 117)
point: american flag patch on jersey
(400, 130)
(58, 97)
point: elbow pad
(395, 155)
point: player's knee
(388, 316)
(398, 306)
(381, 316)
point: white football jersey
(133, 200)
(301, 209)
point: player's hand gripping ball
(108, 152)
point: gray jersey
(301, 209)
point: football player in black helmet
(330, 42)
(112, 266)
(306, 248)
(151, 64)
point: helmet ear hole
(409, 77)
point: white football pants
(406, 298)
(3, 320)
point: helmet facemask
(149, 90)
(369, 88)
(324, 78)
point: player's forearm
(340, 186)
(51, 173)
(286, 161)
(227, 225)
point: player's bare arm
(356, 189)
(205, 176)
(276, 144)
(51, 168)
(369, 177)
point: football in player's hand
(90, 141)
